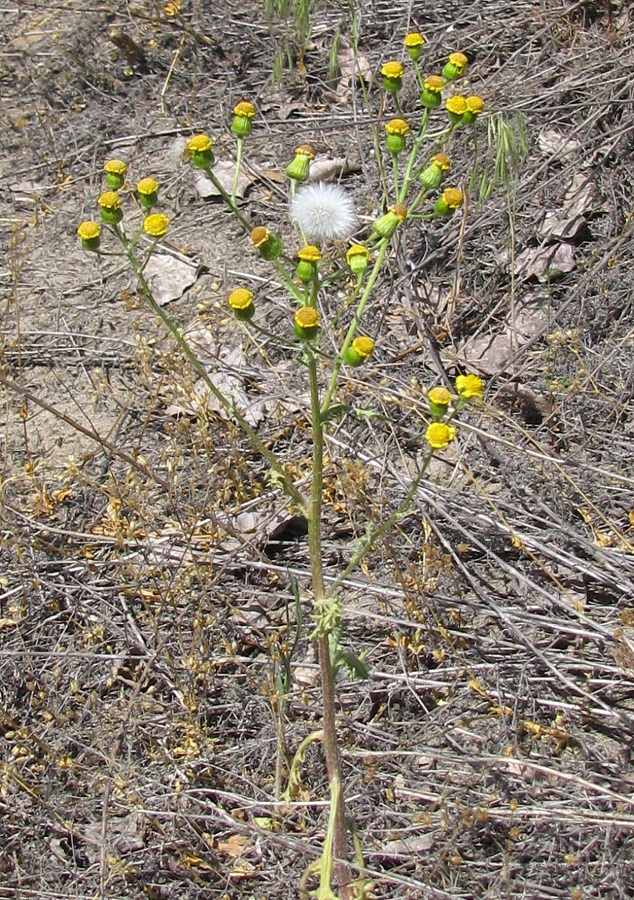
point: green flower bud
(90, 234)
(306, 323)
(359, 351)
(241, 302)
(299, 168)
(115, 170)
(455, 66)
(387, 224)
(414, 43)
(432, 88)
(268, 246)
(243, 119)
(199, 151)
(392, 73)
(147, 192)
(110, 208)
(396, 130)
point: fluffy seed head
(324, 212)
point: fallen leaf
(169, 276)
(234, 846)
(225, 171)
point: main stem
(331, 745)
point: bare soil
(148, 563)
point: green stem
(289, 284)
(413, 157)
(228, 200)
(234, 189)
(288, 486)
(331, 746)
(354, 325)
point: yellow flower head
(432, 87)
(449, 201)
(241, 302)
(392, 73)
(386, 225)
(439, 435)
(109, 200)
(359, 351)
(475, 105)
(306, 323)
(88, 231)
(269, 246)
(115, 170)
(397, 126)
(155, 225)
(244, 109)
(305, 150)
(456, 107)
(364, 346)
(440, 396)
(90, 234)
(242, 123)
(115, 167)
(357, 257)
(470, 387)
(396, 131)
(442, 161)
(455, 66)
(434, 83)
(240, 299)
(200, 143)
(199, 150)
(147, 186)
(309, 254)
(453, 197)
(392, 69)
(260, 235)
(414, 44)
(459, 60)
(413, 39)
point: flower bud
(439, 400)
(414, 44)
(155, 225)
(431, 177)
(115, 170)
(432, 88)
(90, 234)
(299, 168)
(357, 257)
(306, 323)
(439, 435)
(268, 246)
(147, 191)
(199, 151)
(475, 105)
(396, 130)
(449, 201)
(387, 224)
(241, 302)
(455, 66)
(456, 109)
(243, 119)
(392, 73)
(308, 258)
(110, 207)
(359, 351)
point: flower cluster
(440, 432)
(109, 202)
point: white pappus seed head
(324, 212)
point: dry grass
(147, 583)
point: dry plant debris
(145, 593)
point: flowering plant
(325, 217)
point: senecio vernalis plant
(331, 243)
